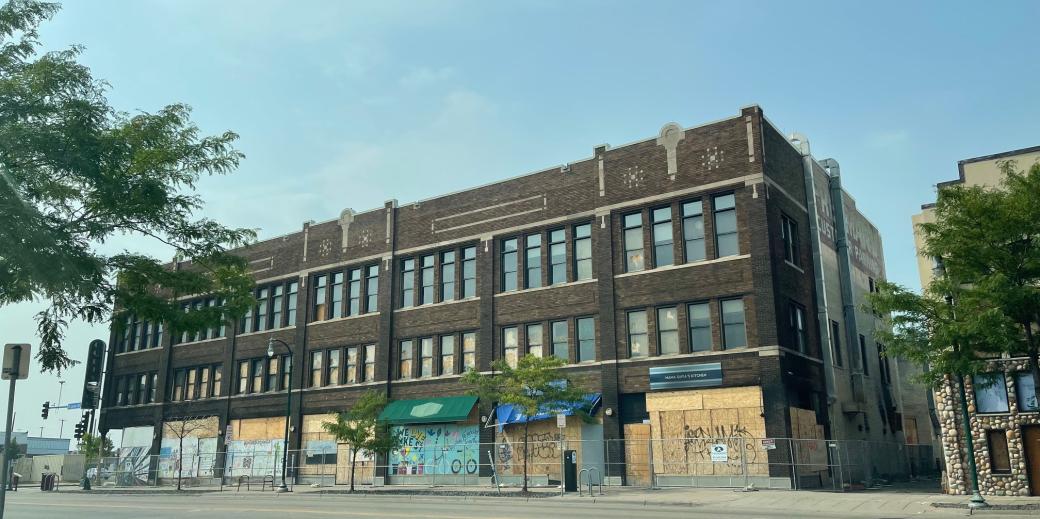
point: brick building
(695, 281)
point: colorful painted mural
(254, 457)
(436, 449)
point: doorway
(1031, 441)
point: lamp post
(288, 405)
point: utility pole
(61, 427)
(15, 366)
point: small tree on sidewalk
(535, 385)
(95, 446)
(362, 431)
(183, 428)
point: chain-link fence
(688, 462)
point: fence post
(841, 471)
(743, 464)
(650, 461)
(794, 463)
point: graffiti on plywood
(436, 449)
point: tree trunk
(1034, 362)
(527, 454)
(180, 461)
(353, 464)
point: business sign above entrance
(686, 375)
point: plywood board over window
(258, 428)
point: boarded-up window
(999, 459)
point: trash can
(14, 481)
(570, 471)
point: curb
(964, 506)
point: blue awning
(507, 414)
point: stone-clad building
(1005, 418)
(698, 282)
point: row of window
(354, 291)
(663, 232)
(263, 374)
(530, 339)
(991, 392)
(544, 261)
(436, 355)
(275, 308)
(139, 334)
(420, 285)
(196, 382)
(359, 365)
(697, 317)
(839, 357)
(212, 333)
(139, 388)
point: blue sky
(348, 104)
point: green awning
(428, 410)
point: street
(36, 505)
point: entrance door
(1031, 439)
(637, 458)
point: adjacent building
(1005, 418)
(704, 284)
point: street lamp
(288, 405)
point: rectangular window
(693, 231)
(509, 265)
(447, 366)
(638, 342)
(999, 457)
(426, 278)
(153, 387)
(277, 298)
(189, 386)
(337, 295)
(369, 372)
(734, 334)
(633, 237)
(261, 309)
(290, 304)
(699, 316)
(469, 351)
(586, 335)
(534, 340)
(407, 283)
(199, 334)
(372, 288)
(135, 334)
(882, 360)
(143, 339)
(448, 275)
(404, 366)
(863, 355)
(990, 393)
(664, 242)
(272, 374)
(557, 256)
(726, 242)
(426, 357)
(245, 326)
(469, 272)
(178, 385)
(121, 391)
(332, 368)
(789, 235)
(353, 291)
(582, 252)
(131, 390)
(533, 261)
(217, 330)
(217, 379)
(561, 341)
(243, 377)
(510, 343)
(797, 325)
(316, 358)
(286, 372)
(320, 283)
(258, 376)
(157, 337)
(1025, 390)
(351, 365)
(204, 389)
(836, 344)
(142, 389)
(668, 331)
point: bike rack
(588, 474)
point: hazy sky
(348, 104)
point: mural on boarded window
(254, 457)
(198, 459)
(436, 449)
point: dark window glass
(557, 256)
(534, 340)
(633, 238)
(178, 385)
(145, 332)
(426, 278)
(469, 351)
(320, 283)
(668, 330)
(798, 327)
(999, 457)
(157, 337)
(407, 283)
(447, 275)
(863, 365)
(789, 234)
(582, 252)
(990, 393)
(290, 304)
(726, 242)
(510, 345)
(469, 272)
(153, 387)
(337, 295)
(354, 292)
(509, 264)
(586, 335)
(121, 391)
(561, 341)
(142, 389)
(638, 342)
(700, 327)
(277, 298)
(664, 242)
(836, 343)
(372, 289)
(533, 261)
(1025, 390)
(733, 331)
(693, 231)
(261, 309)
(404, 367)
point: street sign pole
(15, 355)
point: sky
(349, 104)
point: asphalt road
(36, 505)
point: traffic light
(92, 379)
(81, 427)
(46, 410)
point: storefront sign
(719, 453)
(768, 444)
(686, 375)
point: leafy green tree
(92, 446)
(13, 450)
(535, 385)
(362, 431)
(76, 173)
